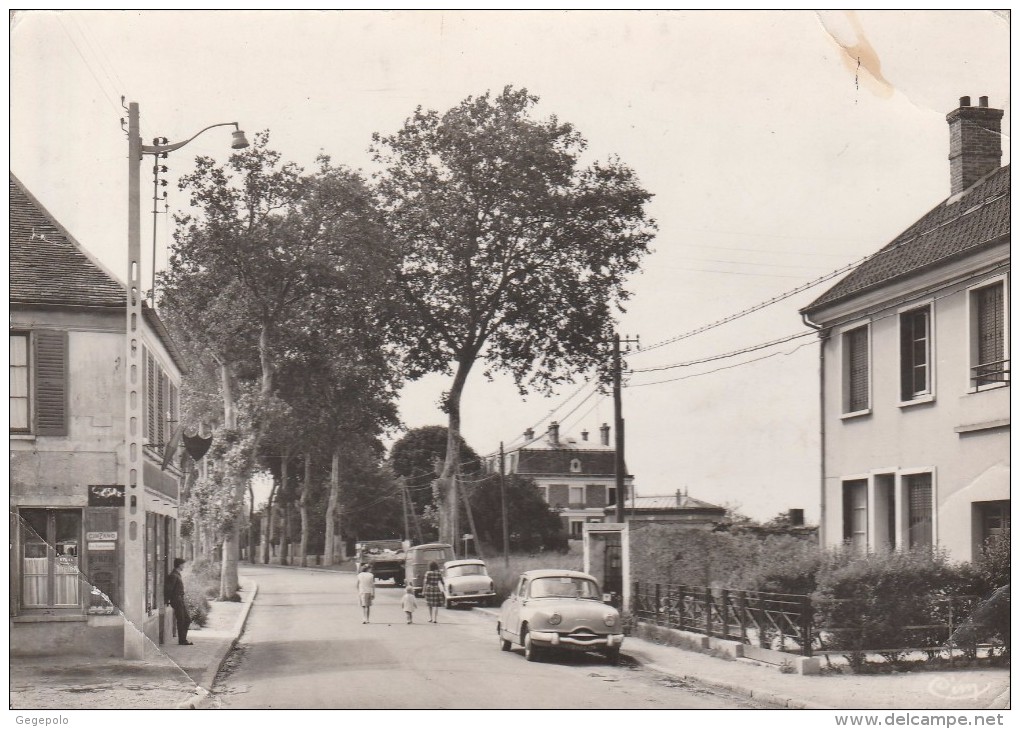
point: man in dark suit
(173, 592)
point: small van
(417, 559)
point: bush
(866, 605)
(198, 609)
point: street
(306, 647)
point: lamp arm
(163, 148)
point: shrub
(198, 608)
(866, 605)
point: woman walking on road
(366, 591)
(432, 592)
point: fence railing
(766, 619)
(793, 623)
(990, 373)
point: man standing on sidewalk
(174, 594)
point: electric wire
(88, 65)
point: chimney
(679, 498)
(975, 144)
(584, 434)
(604, 432)
(796, 517)
(554, 433)
(529, 435)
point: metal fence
(793, 623)
(766, 619)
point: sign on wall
(111, 495)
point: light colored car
(467, 581)
(559, 609)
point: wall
(893, 439)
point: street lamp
(133, 598)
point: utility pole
(620, 465)
(403, 503)
(502, 501)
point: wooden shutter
(150, 398)
(991, 324)
(50, 382)
(857, 361)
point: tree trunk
(285, 537)
(446, 483)
(228, 574)
(332, 530)
(251, 523)
(268, 524)
(306, 489)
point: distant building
(68, 575)
(676, 509)
(915, 368)
(577, 478)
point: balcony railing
(990, 373)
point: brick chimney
(584, 434)
(554, 433)
(529, 435)
(604, 433)
(975, 143)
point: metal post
(133, 589)
(708, 611)
(741, 615)
(502, 499)
(618, 426)
(725, 614)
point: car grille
(583, 635)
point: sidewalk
(981, 689)
(173, 676)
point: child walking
(409, 604)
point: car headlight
(609, 619)
(555, 619)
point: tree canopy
(508, 249)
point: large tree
(266, 240)
(510, 251)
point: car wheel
(612, 656)
(531, 651)
(504, 645)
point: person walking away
(409, 604)
(432, 591)
(173, 593)
(366, 591)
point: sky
(779, 146)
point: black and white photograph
(540, 360)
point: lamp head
(238, 141)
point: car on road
(418, 558)
(466, 581)
(559, 610)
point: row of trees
(303, 300)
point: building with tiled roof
(678, 508)
(577, 477)
(914, 364)
(69, 567)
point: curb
(203, 694)
(771, 698)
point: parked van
(416, 563)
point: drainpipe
(823, 334)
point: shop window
(50, 552)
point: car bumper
(556, 640)
(479, 597)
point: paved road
(305, 647)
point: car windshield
(564, 587)
(432, 555)
(464, 570)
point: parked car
(467, 581)
(417, 559)
(559, 610)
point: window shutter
(50, 383)
(150, 398)
(990, 324)
(857, 341)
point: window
(989, 363)
(50, 549)
(576, 528)
(611, 496)
(855, 370)
(994, 519)
(855, 515)
(160, 404)
(575, 465)
(38, 391)
(915, 354)
(919, 509)
(544, 491)
(19, 403)
(577, 495)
